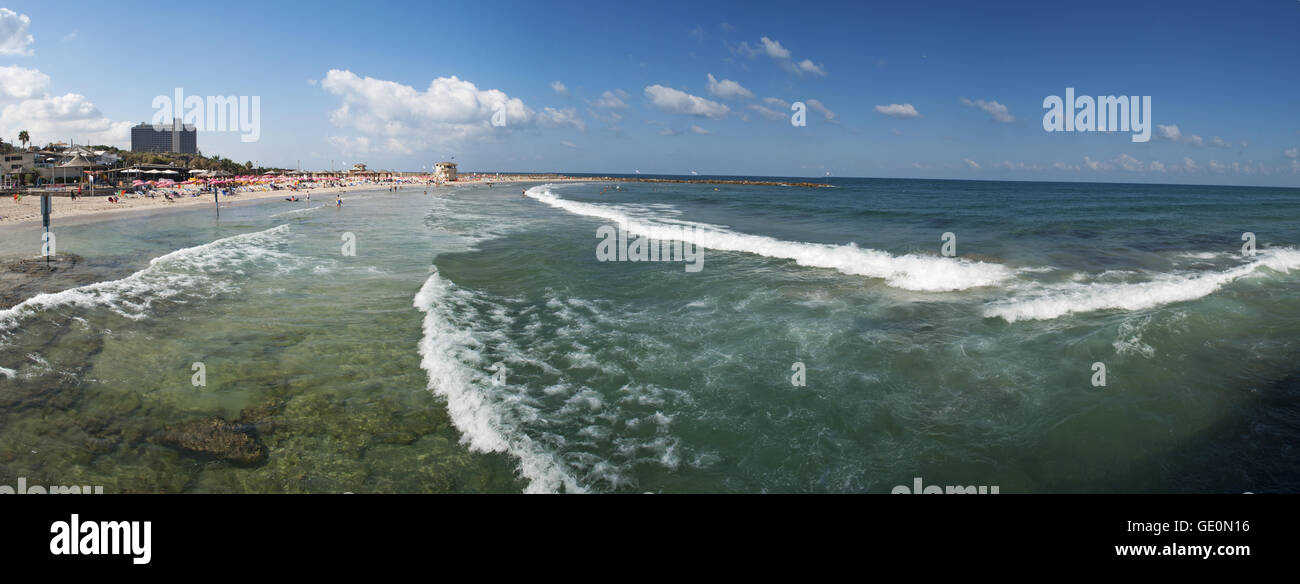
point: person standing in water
(338, 201)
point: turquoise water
(476, 343)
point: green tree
(24, 137)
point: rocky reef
(23, 278)
(236, 442)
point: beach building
(179, 138)
(17, 167)
(445, 171)
(359, 170)
(19, 162)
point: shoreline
(89, 210)
(92, 209)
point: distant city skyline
(940, 90)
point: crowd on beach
(70, 201)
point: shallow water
(476, 343)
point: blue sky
(401, 85)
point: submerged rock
(227, 441)
(23, 278)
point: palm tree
(24, 137)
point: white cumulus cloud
(612, 99)
(1174, 134)
(727, 89)
(25, 105)
(20, 83)
(895, 110)
(781, 56)
(993, 108)
(679, 102)
(777, 102)
(767, 112)
(807, 66)
(401, 118)
(817, 106)
(14, 36)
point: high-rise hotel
(177, 138)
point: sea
(857, 338)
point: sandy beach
(89, 209)
(29, 210)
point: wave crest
(908, 272)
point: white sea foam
(909, 272)
(300, 211)
(1204, 255)
(166, 277)
(1129, 341)
(445, 351)
(1164, 289)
